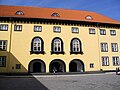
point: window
(3, 27)
(91, 65)
(56, 29)
(2, 61)
(104, 47)
(37, 28)
(88, 17)
(105, 61)
(76, 46)
(112, 32)
(75, 30)
(114, 47)
(37, 46)
(91, 31)
(55, 15)
(102, 32)
(19, 13)
(18, 66)
(115, 61)
(17, 27)
(3, 45)
(57, 46)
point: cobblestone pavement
(62, 82)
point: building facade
(43, 40)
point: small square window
(57, 29)
(112, 32)
(91, 65)
(91, 31)
(2, 61)
(102, 32)
(18, 66)
(75, 30)
(3, 27)
(17, 27)
(37, 28)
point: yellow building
(45, 40)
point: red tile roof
(45, 13)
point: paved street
(61, 82)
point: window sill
(71, 52)
(62, 52)
(33, 52)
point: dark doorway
(76, 65)
(57, 66)
(37, 67)
(73, 67)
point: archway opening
(73, 67)
(57, 66)
(76, 66)
(36, 66)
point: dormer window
(19, 13)
(88, 17)
(55, 15)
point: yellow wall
(21, 46)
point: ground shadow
(21, 83)
(18, 79)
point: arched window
(88, 17)
(37, 45)
(57, 46)
(55, 15)
(19, 13)
(76, 46)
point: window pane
(75, 30)
(56, 29)
(37, 28)
(3, 44)
(91, 31)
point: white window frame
(2, 61)
(57, 45)
(37, 43)
(37, 28)
(91, 30)
(3, 27)
(113, 32)
(3, 45)
(114, 47)
(105, 61)
(17, 27)
(75, 30)
(76, 45)
(104, 47)
(102, 32)
(57, 29)
(115, 60)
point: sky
(110, 8)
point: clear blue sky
(110, 8)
